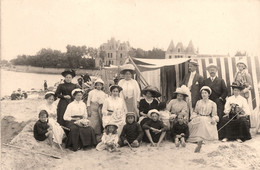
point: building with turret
(180, 51)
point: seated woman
(203, 120)
(81, 134)
(234, 123)
(179, 105)
(51, 108)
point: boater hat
(206, 88)
(127, 67)
(237, 85)
(242, 61)
(155, 92)
(69, 71)
(194, 62)
(76, 91)
(212, 65)
(153, 111)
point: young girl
(51, 108)
(80, 134)
(109, 139)
(154, 128)
(42, 130)
(95, 101)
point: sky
(214, 26)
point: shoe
(177, 144)
(224, 140)
(239, 140)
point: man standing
(219, 89)
(193, 81)
(45, 85)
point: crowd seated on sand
(199, 112)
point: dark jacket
(177, 129)
(39, 130)
(132, 132)
(155, 124)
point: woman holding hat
(203, 120)
(114, 108)
(96, 98)
(236, 110)
(148, 103)
(244, 78)
(131, 90)
(81, 135)
(179, 105)
(64, 93)
(51, 109)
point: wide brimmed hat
(194, 62)
(130, 114)
(237, 85)
(112, 87)
(99, 80)
(206, 88)
(154, 90)
(111, 124)
(181, 90)
(127, 67)
(242, 61)
(69, 71)
(212, 65)
(76, 90)
(153, 111)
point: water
(11, 81)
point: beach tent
(166, 75)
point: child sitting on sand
(132, 132)
(109, 140)
(180, 131)
(41, 129)
(154, 128)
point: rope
(228, 121)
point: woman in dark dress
(64, 93)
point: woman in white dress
(114, 109)
(51, 109)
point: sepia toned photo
(130, 84)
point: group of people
(200, 111)
(19, 94)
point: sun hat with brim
(212, 65)
(180, 90)
(194, 62)
(154, 90)
(99, 80)
(76, 91)
(153, 111)
(206, 88)
(69, 71)
(112, 87)
(127, 67)
(242, 61)
(237, 85)
(111, 124)
(130, 114)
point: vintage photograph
(130, 84)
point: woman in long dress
(64, 93)
(114, 109)
(131, 90)
(235, 124)
(203, 120)
(96, 98)
(81, 135)
(51, 108)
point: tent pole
(145, 82)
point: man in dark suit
(219, 89)
(194, 82)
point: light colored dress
(200, 126)
(131, 94)
(95, 100)
(117, 105)
(165, 117)
(240, 101)
(111, 139)
(58, 132)
(178, 107)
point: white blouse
(75, 108)
(96, 96)
(114, 104)
(110, 138)
(240, 101)
(131, 89)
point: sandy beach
(18, 118)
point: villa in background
(115, 52)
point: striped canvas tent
(166, 74)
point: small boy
(132, 132)
(42, 130)
(180, 131)
(154, 128)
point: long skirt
(95, 118)
(80, 136)
(61, 108)
(201, 129)
(131, 106)
(236, 129)
(58, 133)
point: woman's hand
(213, 122)
(67, 97)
